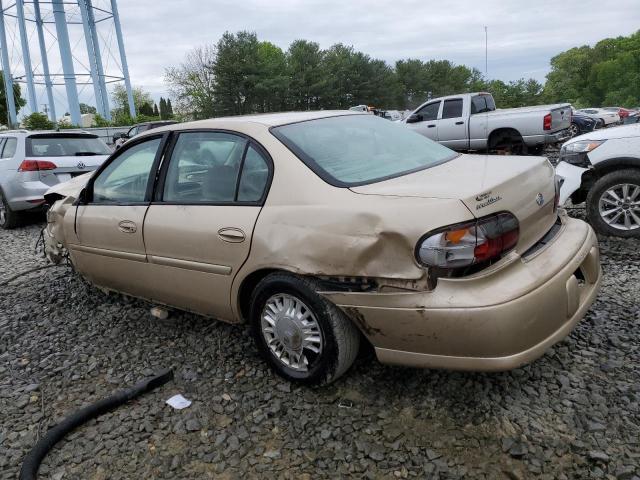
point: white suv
(603, 168)
(32, 162)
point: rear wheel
(303, 337)
(613, 204)
(8, 218)
(507, 142)
(574, 130)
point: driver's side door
(105, 233)
(425, 121)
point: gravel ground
(572, 414)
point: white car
(606, 117)
(602, 168)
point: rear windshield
(355, 150)
(65, 146)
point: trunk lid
(523, 186)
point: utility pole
(486, 52)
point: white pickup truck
(470, 121)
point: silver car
(32, 162)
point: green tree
(37, 121)
(163, 109)
(307, 81)
(236, 72)
(272, 82)
(121, 102)
(18, 101)
(146, 109)
(192, 83)
(607, 74)
(156, 112)
(169, 108)
(84, 108)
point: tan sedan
(326, 229)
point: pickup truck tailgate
(560, 118)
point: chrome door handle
(127, 226)
(231, 235)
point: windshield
(65, 146)
(355, 150)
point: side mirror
(414, 118)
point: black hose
(31, 464)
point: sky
(522, 35)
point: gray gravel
(572, 414)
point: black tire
(627, 176)
(507, 143)
(8, 218)
(340, 338)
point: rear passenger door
(198, 229)
(452, 128)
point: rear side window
(65, 146)
(254, 178)
(204, 168)
(452, 108)
(482, 104)
(9, 149)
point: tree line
(241, 74)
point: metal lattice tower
(50, 44)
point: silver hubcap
(291, 331)
(574, 130)
(3, 212)
(620, 206)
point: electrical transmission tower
(58, 49)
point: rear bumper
(27, 195)
(547, 138)
(492, 322)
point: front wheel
(613, 204)
(303, 337)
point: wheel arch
(246, 287)
(500, 132)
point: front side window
(126, 178)
(354, 150)
(429, 112)
(65, 145)
(452, 108)
(204, 168)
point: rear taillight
(36, 165)
(469, 243)
(546, 123)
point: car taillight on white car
(36, 165)
(470, 243)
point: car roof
(30, 133)
(266, 119)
